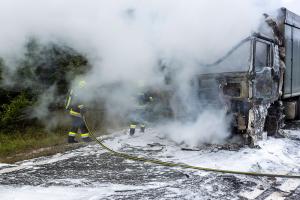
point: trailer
(291, 31)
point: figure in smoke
(77, 110)
(138, 115)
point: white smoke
(125, 40)
(293, 5)
(210, 127)
(128, 36)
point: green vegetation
(12, 114)
(47, 65)
(43, 66)
(22, 142)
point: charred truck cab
(258, 81)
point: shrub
(43, 66)
(13, 113)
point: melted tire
(275, 119)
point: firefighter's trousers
(78, 126)
(137, 118)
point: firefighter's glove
(82, 109)
(81, 106)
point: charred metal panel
(264, 85)
(232, 89)
(257, 117)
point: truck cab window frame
(262, 55)
(238, 59)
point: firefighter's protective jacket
(74, 105)
(143, 99)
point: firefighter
(77, 110)
(138, 115)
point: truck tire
(275, 119)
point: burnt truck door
(263, 71)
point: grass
(33, 142)
(12, 144)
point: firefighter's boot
(142, 128)
(87, 139)
(71, 139)
(132, 129)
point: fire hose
(181, 165)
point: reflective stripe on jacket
(69, 100)
(74, 113)
(73, 105)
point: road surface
(92, 173)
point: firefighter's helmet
(81, 84)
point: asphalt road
(92, 173)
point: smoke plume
(126, 41)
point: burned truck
(258, 81)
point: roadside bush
(43, 66)
(13, 114)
